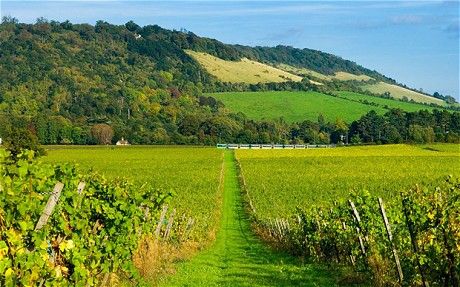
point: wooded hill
(61, 81)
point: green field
(192, 174)
(280, 180)
(382, 102)
(300, 106)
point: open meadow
(299, 106)
(293, 106)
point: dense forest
(68, 83)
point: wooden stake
(170, 222)
(160, 222)
(189, 227)
(390, 238)
(81, 187)
(52, 201)
(358, 228)
(412, 234)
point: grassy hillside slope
(373, 87)
(383, 102)
(293, 106)
(400, 92)
(340, 75)
(299, 106)
(242, 71)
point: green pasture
(383, 103)
(300, 106)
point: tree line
(196, 128)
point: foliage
(427, 218)
(103, 133)
(88, 236)
(18, 136)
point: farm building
(122, 142)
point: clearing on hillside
(242, 71)
(400, 92)
(341, 76)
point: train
(271, 146)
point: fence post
(170, 223)
(160, 222)
(390, 238)
(410, 227)
(52, 201)
(188, 229)
(358, 229)
(81, 186)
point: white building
(122, 142)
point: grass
(281, 180)
(192, 174)
(342, 76)
(243, 71)
(400, 92)
(238, 258)
(299, 106)
(382, 102)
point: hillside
(298, 106)
(242, 71)
(399, 92)
(66, 83)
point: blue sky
(414, 42)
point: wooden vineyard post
(390, 238)
(52, 201)
(160, 222)
(80, 187)
(358, 228)
(412, 234)
(280, 232)
(352, 258)
(188, 229)
(170, 223)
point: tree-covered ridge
(70, 83)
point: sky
(414, 42)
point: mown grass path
(238, 257)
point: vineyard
(388, 213)
(412, 236)
(92, 233)
(62, 225)
(281, 180)
(192, 175)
